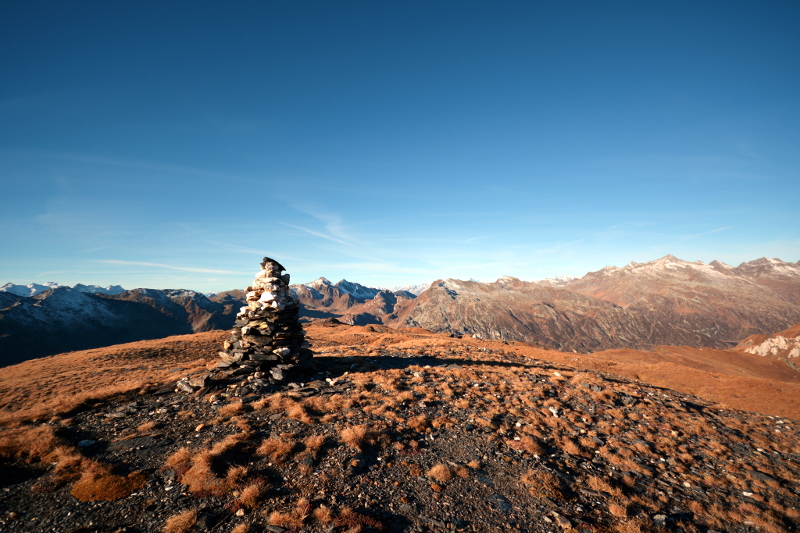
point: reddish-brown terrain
(402, 430)
(639, 306)
(663, 302)
(716, 301)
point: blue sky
(173, 144)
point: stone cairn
(267, 342)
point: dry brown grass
(252, 494)
(358, 436)
(281, 519)
(618, 510)
(208, 470)
(237, 475)
(313, 444)
(298, 516)
(632, 525)
(278, 450)
(97, 483)
(600, 484)
(231, 409)
(528, 444)
(572, 448)
(181, 523)
(42, 388)
(501, 393)
(441, 473)
(542, 483)
(29, 443)
(147, 426)
(299, 412)
(180, 461)
(419, 423)
(200, 477)
(323, 515)
(302, 509)
(355, 521)
(40, 444)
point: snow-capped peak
(559, 281)
(415, 289)
(35, 288)
(111, 289)
(29, 290)
(317, 283)
(356, 290)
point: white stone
(268, 296)
(775, 345)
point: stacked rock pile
(267, 334)
(267, 341)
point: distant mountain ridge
(64, 319)
(640, 305)
(715, 300)
(667, 301)
(349, 302)
(32, 289)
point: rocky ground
(399, 431)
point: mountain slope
(351, 303)
(64, 319)
(664, 302)
(33, 289)
(784, 346)
(715, 300)
(511, 309)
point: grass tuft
(181, 523)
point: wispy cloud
(236, 247)
(706, 233)
(318, 234)
(480, 238)
(91, 160)
(167, 267)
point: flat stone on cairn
(267, 335)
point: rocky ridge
(783, 345)
(32, 289)
(64, 319)
(348, 302)
(715, 300)
(663, 302)
(639, 306)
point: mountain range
(63, 319)
(666, 301)
(32, 289)
(639, 306)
